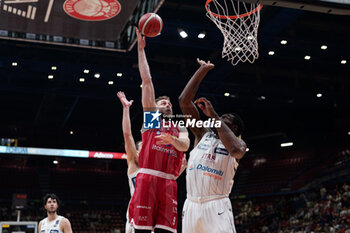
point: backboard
(337, 7)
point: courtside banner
(106, 155)
(61, 152)
(98, 20)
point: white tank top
(132, 180)
(51, 227)
(210, 170)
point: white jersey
(52, 226)
(210, 170)
(132, 180)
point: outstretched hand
(206, 106)
(165, 139)
(208, 65)
(141, 40)
(126, 103)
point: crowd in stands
(319, 209)
(326, 210)
(82, 220)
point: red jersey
(164, 158)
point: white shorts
(128, 227)
(209, 217)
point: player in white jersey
(132, 151)
(53, 223)
(212, 163)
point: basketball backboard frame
(337, 7)
(9, 223)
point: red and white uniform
(154, 203)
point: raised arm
(187, 96)
(130, 147)
(148, 96)
(234, 145)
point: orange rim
(258, 8)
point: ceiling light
(324, 47)
(201, 35)
(53, 67)
(349, 133)
(343, 62)
(283, 42)
(110, 82)
(319, 95)
(307, 57)
(238, 49)
(141, 85)
(227, 94)
(246, 150)
(97, 75)
(86, 71)
(55, 162)
(82, 80)
(250, 38)
(14, 64)
(271, 53)
(50, 76)
(119, 74)
(71, 132)
(262, 97)
(285, 144)
(182, 33)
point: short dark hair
(237, 120)
(52, 196)
(164, 97)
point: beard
(52, 211)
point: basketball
(150, 24)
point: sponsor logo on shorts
(92, 10)
(143, 218)
(220, 213)
(143, 207)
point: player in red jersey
(154, 203)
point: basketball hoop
(238, 22)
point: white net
(238, 22)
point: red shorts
(154, 203)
